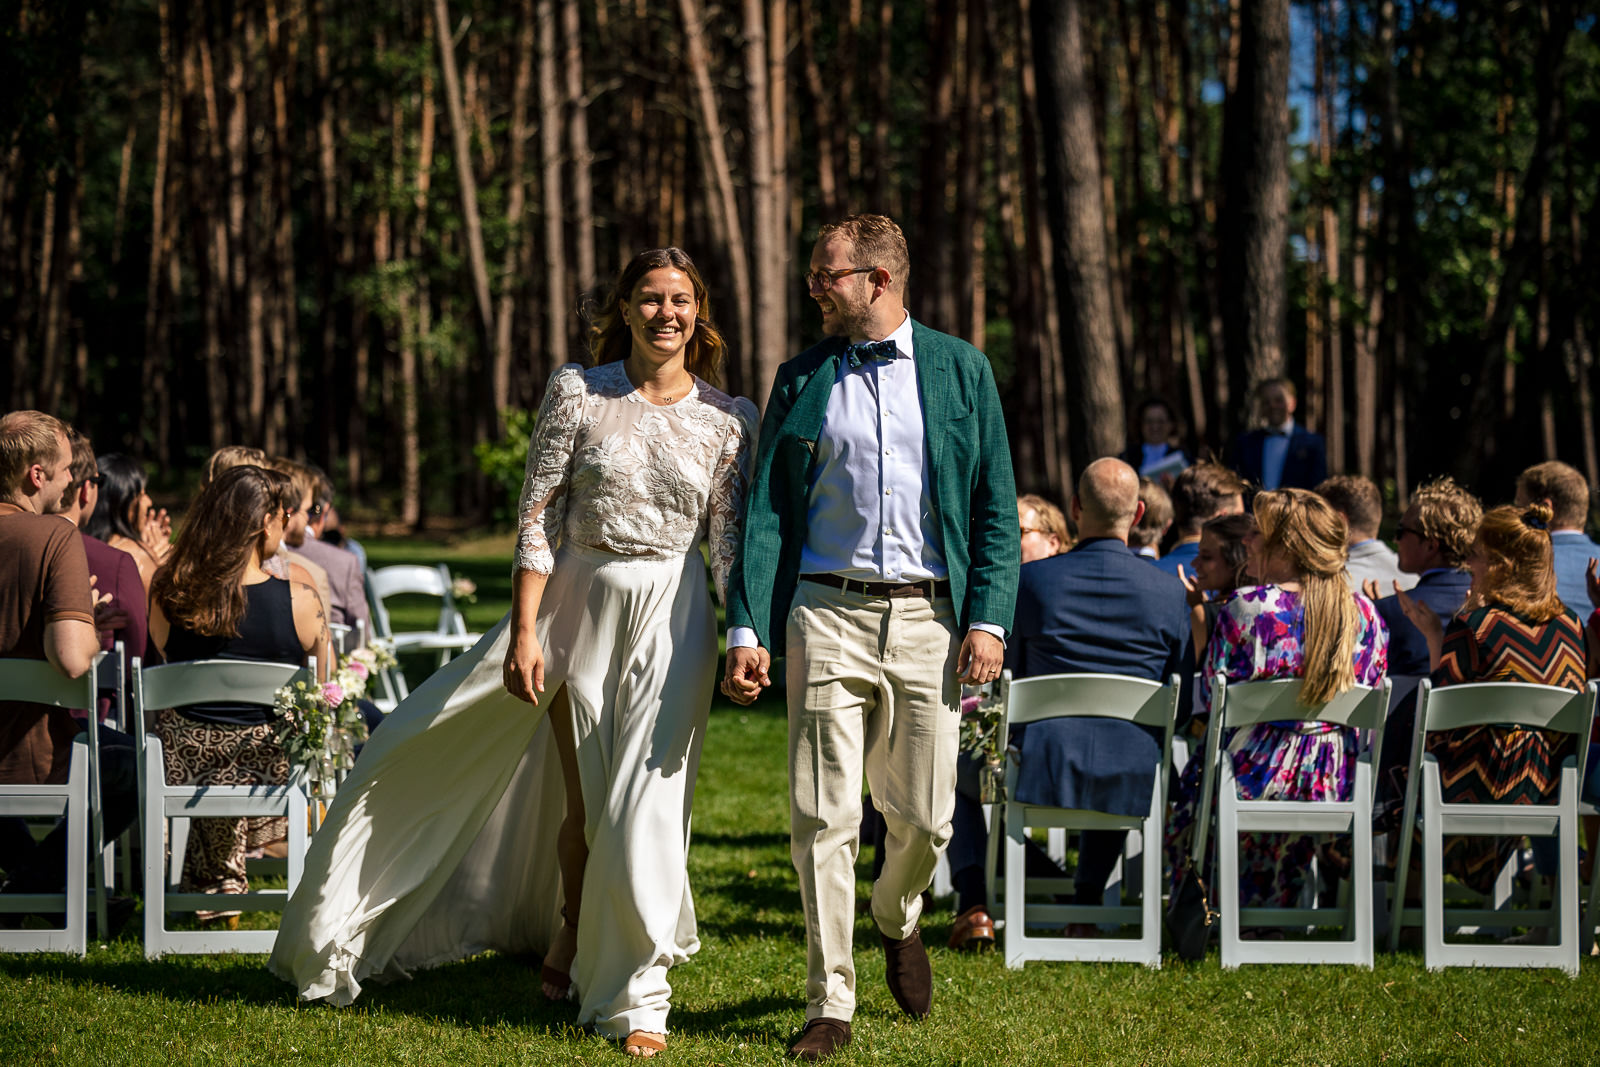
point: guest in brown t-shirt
(46, 613)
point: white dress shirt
(870, 503)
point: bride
(573, 729)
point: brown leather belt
(929, 588)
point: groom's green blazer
(967, 457)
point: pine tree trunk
(468, 182)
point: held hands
(746, 674)
(1193, 594)
(981, 657)
(524, 668)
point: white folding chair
(1246, 704)
(111, 678)
(449, 636)
(78, 800)
(180, 685)
(1134, 700)
(1457, 707)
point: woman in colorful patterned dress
(550, 770)
(1301, 621)
(1513, 628)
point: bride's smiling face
(660, 314)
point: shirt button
(888, 492)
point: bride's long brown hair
(610, 339)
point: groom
(881, 549)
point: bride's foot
(644, 1043)
(555, 973)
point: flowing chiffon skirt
(442, 842)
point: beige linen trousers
(872, 688)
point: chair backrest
(35, 681)
(1278, 700)
(177, 685)
(413, 579)
(1107, 696)
(1539, 707)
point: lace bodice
(610, 470)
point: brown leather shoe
(908, 973)
(820, 1039)
(973, 930)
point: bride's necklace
(670, 396)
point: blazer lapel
(811, 402)
(935, 388)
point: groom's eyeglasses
(824, 278)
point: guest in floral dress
(1300, 622)
(1513, 628)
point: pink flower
(333, 693)
(359, 669)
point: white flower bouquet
(319, 724)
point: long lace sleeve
(542, 505)
(729, 483)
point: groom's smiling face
(846, 303)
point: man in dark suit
(1280, 453)
(1433, 539)
(881, 544)
(1095, 609)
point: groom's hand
(746, 674)
(982, 656)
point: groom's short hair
(878, 242)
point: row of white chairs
(1239, 706)
(165, 810)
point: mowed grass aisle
(741, 999)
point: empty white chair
(448, 636)
(78, 801)
(1135, 700)
(1456, 707)
(1246, 704)
(179, 685)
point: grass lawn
(741, 998)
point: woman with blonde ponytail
(1299, 621)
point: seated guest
(1514, 628)
(1434, 536)
(114, 573)
(334, 533)
(299, 568)
(229, 456)
(346, 581)
(1280, 453)
(1219, 569)
(1145, 537)
(212, 599)
(1095, 609)
(124, 518)
(47, 613)
(1044, 528)
(1301, 621)
(1358, 500)
(1202, 492)
(1157, 449)
(1566, 493)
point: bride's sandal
(644, 1044)
(556, 982)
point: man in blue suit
(1567, 494)
(1280, 453)
(1433, 539)
(1095, 609)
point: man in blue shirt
(1201, 493)
(1567, 494)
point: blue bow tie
(871, 352)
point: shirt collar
(8, 508)
(902, 337)
(1287, 428)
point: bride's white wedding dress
(442, 842)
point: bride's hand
(524, 668)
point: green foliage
(505, 461)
